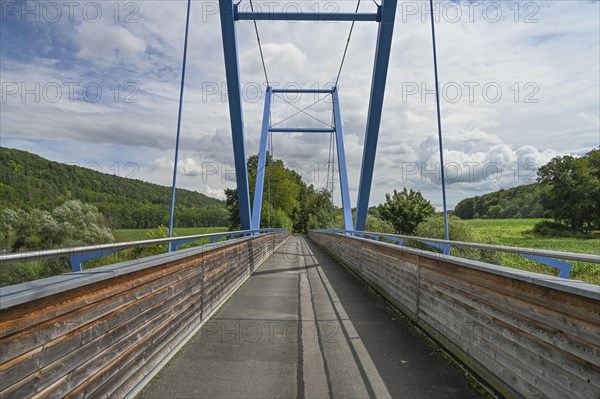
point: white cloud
(185, 166)
(108, 43)
(560, 54)
(218, 193)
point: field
(518, 233)
(20, 272)
(140, 234)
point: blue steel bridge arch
(341, 153)
(385, 17)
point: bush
(71, 224)
(459, 231)
(551, 228)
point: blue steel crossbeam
(307, 16)
(301, 130)
(303, 91)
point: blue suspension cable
(174, 188)
(439, 120)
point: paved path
(303, 326)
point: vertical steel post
(232, 72)
(174, 188)
(382, 59)
(262, 156)
(439, 123)
(346, 205)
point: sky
(96, 84)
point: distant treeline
(519, 202)
(568, 190)
(28, 181)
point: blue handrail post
(174, 188)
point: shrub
(551, 228)
(459, 231)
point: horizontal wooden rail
(105, 332)
(527, 334)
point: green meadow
(141, 234)
(519, 233)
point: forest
(28, 181)
(567, 190)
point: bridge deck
(302, 326)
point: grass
(518, 233)
(36, 269)
(140, 234)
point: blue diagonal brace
(382, 59)
(262, 157)
(444, 247)
(77, 260)
(399, 241)
(341, 152)
(232, 72)
(564, 267)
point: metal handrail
(502, 248)
(59, 252)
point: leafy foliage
(574, 190)
(28, 181)
(433, 227)
(405, 210)
(287, 203)
(568, 189)
(526, 201)
(71, 224)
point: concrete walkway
(303, 326)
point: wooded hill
(28, 181)
(518, 202)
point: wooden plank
(114, 374)
(485, 356)
(18, 318)
(74, 350)
(42, 334)
(101, 363)
(567, 343)
(502, 346)
(536, 327)
(582, 307)
(89, 336)
(546, 315)
(82, 357)
(547, 350)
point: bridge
(266, 315)
(337, 313)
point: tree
(71, 224)
(287, 201)
(233, 206)
(405, 210)
(31, 182)
(433, 227)
(574, 190)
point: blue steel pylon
(385, 16)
